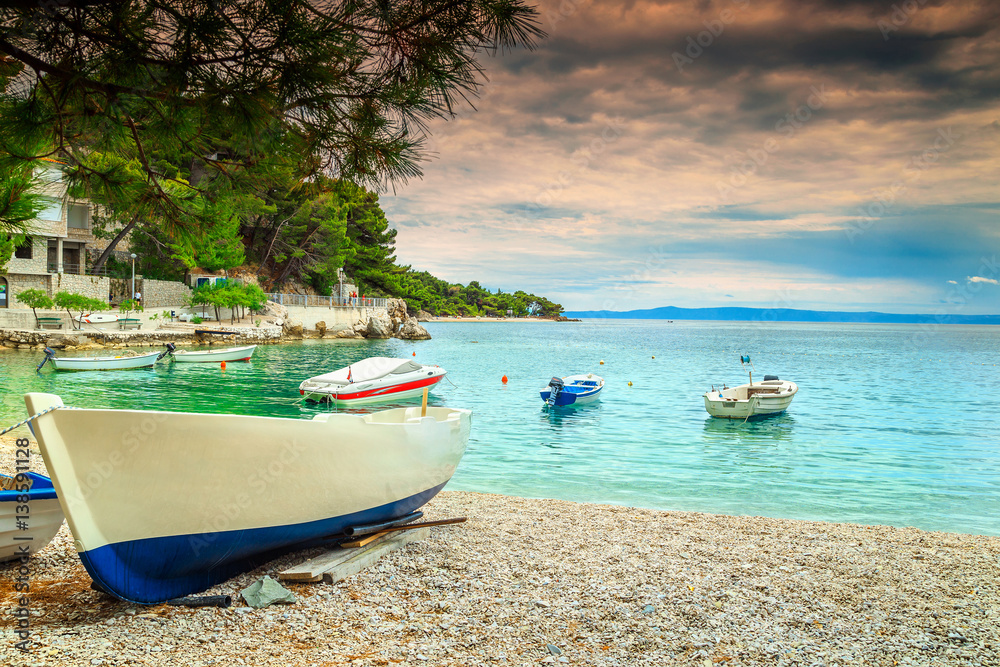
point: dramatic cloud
(842, 155)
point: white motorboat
(97, 318)
(100, 363)
(211, 356)
(372, 380)
(770, 397)
(573, 390)
(26, 530)
(184, 501)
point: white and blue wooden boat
(119, 363)
(26, 531)
(572, 390)
(166, 504)
(211, 356)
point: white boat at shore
(185, 501)
(372, 380)
(40, 517)
(97, 318)
(211, 356)
(100, 363)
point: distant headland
(782, 315)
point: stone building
(54, 255)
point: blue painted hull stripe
(154, 570)
(41, 489)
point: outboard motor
(555, 388)
(49, 354)
(170, 350)
(770, 377)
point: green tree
(34, 298)
(79, 303)
(240, 86)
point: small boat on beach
(26, 531)
(211, 356)
(97, 318)
(166, 504)
(770, 397)
(372, 380)
(100, 363)
(572, 390)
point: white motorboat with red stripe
(372, 380)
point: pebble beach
(528, 581)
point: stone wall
(162, 293)
(17, 283)
(38, 263)
(96, 287)
(123, 339)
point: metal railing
(80, 270)
(327, 301)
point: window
(77, 217)
(23, 251)
(52, 210)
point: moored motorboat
(30, 515)
(211, 356)
(770, 397)
(372, 380)
(572, 390)
(179, 501)
(100, 363)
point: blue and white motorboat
(184, 501)
(30, 515)
(572, 390)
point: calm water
(893, 424)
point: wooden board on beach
(340, 563)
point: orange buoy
(414, 354)
(223, 365)
(504, 379)
(602, 362)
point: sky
(814, 154)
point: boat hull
(737, 403)
(104, 363)
(239, 489)
(575, 392)
(214, 356)
(369, 394)
(43, 518)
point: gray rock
(379, 326)
(411, 330)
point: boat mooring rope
(36, 416)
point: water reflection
(571, 415)
(772, 428)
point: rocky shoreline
(528, 582)
(272, 327)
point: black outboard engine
(170, 350)
(555, 387)
(770, 377)
(49, 354)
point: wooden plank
(345, 562)
(369, 555)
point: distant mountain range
(781, 315)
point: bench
(49, 322)
(129, 323)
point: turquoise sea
(893, 424)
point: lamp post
(132, 296)
(340, 292)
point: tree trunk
(111, 246)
